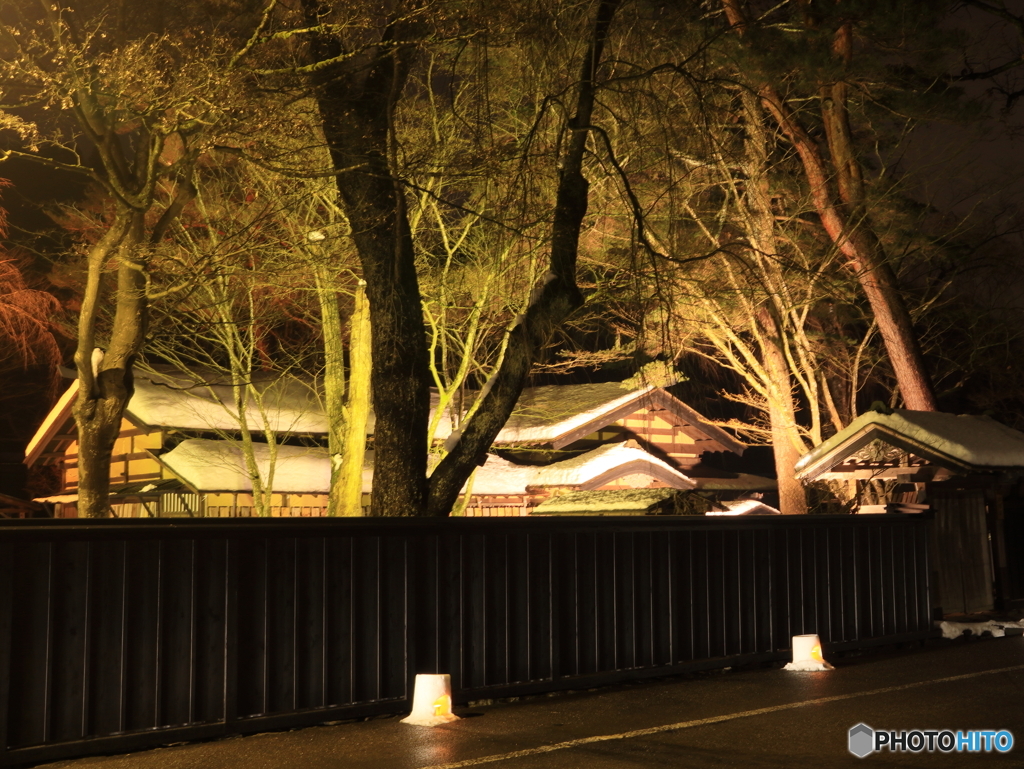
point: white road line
(706, 721)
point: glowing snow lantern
(807, 654)
(431, 701)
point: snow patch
(808, 666)
(745, 507)
(996, 628)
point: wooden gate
(961, 558)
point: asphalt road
(762, 717)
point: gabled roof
(962, 444)
(558, 415)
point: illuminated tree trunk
(349, 488)
(334, 381)
(105, 379)
(787, 445)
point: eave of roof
(57, 417)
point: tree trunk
(105, 379)
(787, 446)
(334, 381)
(876, 275)
(786, 442)
(357, 125)
(357, 410)
(357, 112)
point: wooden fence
(118, 635)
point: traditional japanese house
(179, 451)
(964, 470)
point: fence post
(230, 706)
(6, 600)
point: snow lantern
(431, 701)
(807, 654)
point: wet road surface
(763, 717)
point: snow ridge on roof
(499, 476)
(544, 413)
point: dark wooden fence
(121, 635)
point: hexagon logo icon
(862, 740)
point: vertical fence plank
(6, 609)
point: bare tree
(844, 217)
(358, 96)
(132, 106)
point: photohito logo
(864, 741)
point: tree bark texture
(357, 410)
(334, 380)
(105, 380)
(782, 413)
(787, 445)
(357, 122)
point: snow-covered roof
(209, 466)
(616, 502)
(554, 415)
(745, 507)
(594, 468)
(960, 443)
(543, 414)
(288, 405)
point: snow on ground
(996, 628)
(808, 666)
